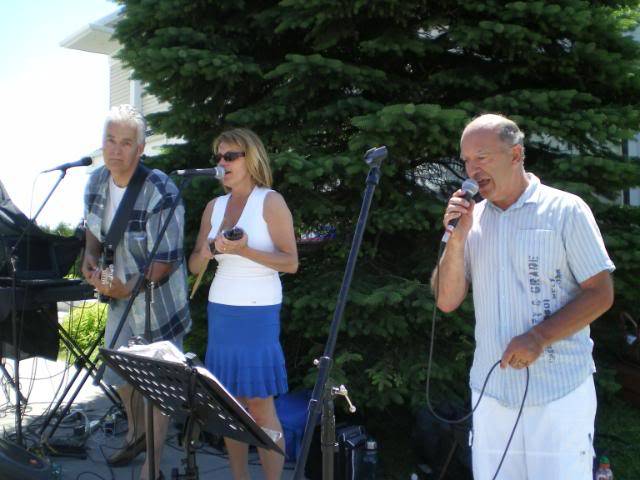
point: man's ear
(517, 152)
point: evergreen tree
(321, 81)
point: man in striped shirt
(540, 274)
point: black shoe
(130, 451)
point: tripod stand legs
(160, 427)
(191, 436)
(83, 361)
(9, 379)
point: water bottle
(604, 470)
(369, 468)
(109, 426)
(56, 471)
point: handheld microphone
(217, 172)
(234, 233)
(83, 162)
(469, 188)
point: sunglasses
(228, 156)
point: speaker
(434, 441)
(16, 463)
(351, 440)
(37, 330)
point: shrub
(85, 325)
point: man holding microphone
(540, 274)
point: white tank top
(238, 280)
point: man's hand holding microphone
(460, 211)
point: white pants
(551, 442)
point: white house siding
(634, 152)
(151, 104)
(119, 85)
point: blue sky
(53, 102)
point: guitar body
(105, 264)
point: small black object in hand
(234, 233)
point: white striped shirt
(524, 263)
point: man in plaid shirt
(123, 145)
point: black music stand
(185, 389)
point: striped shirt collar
(530, 195)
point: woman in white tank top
(243, 348)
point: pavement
(88, 433)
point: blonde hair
(256, 157)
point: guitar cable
(434, 317)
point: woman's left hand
(233, 247)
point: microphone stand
(14, 311)
(322, 396)
(149, 427)
(134, 293)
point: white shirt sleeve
(586, 253)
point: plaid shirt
(170, 317)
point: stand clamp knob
(342, 390)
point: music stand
(185, 389)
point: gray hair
(510, 133)
(507, 130)
(127, 115)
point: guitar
(105, 264)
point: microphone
(83, 162)
(469, 188)
(217, 172)
(375, 155)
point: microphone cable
(436, 291)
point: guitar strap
(123, 213)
